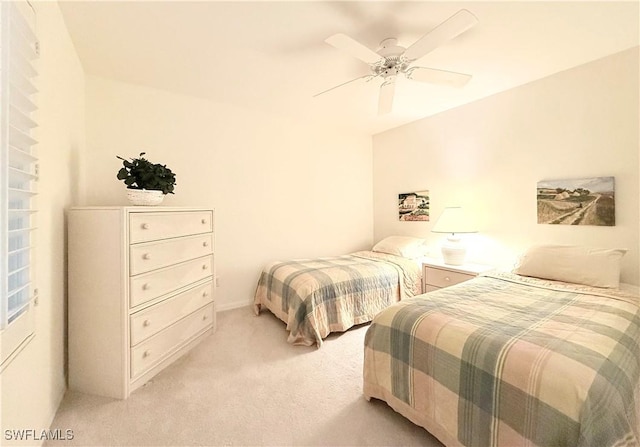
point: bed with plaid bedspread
(317, 296)
(505, 360)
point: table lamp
(454, 221)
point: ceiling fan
(392, 59)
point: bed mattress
(315, 297)
(510, 360)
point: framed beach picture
(413, 206)
(584, 201)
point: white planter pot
(144, 197)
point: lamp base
(453, 251)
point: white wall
(33, 384)
(281, 188)
(489, 155)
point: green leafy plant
(140, 173)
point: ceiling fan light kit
(392, 59)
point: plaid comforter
(511, 361)
(318, 296)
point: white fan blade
(447, 30)
(344, 83)
(385, 101)
(354, 48)
(431, 75)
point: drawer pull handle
(205, 266)
(145, 226)
(204, 317)
(204, 221)
(146, 323)
(146, 256)
(146, 286)
(205, 244)
(446, 278)
(205, 294)
(146, 353)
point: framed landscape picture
(584, 201)
(414, 206)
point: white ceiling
(271, 55)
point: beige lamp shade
(454, 220)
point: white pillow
(598, 267)
(405, 246)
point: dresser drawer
(154, 255)
(444, 278)
(150, 321)
(150, 352)
(144, 227)
(145, 287)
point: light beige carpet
(245, 385)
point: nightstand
(436, 274)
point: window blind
(18, 174)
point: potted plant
(147, 183)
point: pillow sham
(404, 246)
(598, 267)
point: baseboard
(232, 305)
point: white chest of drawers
(140, 292)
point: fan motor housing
(389, 47)
(393, 61)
